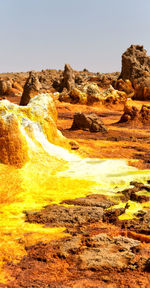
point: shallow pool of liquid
(52, 175)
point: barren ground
(96, 254)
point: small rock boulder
(17, 86)
(14, 92)
(125, 86)
(135, 116)
(5, 87)
(142, 88)
(89, 122)
(93, 93)
(130, 112)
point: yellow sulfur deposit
(37, 170)
(17, 123)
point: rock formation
(142, 88)
(84, 94)
(19, 126)
(31, 88)
(17, 86)
(55, 215)
(90, 94)
(136, 68)
(5, 86)
(47, 78)
(135, 116)
(93, 200)
(13, 143)
(93, 93)
(88, 122)
(112, 96)
(135, 63)
(10, 88)
(124, 86)
(130, 112)
(68, 80)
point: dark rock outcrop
(31, 88)
(83, 260)
(105, 252)
(140, 224)
(69, 77)
(111, 215)
(54, 215)
(131, 193)
(93, 200)
(68, 80)
(136, 68)
(47, 78)
(135, 63)
(89, 122)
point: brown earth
(96, 255)
(124, 142)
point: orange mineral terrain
(75, 181)
(74, 205)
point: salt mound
(23, 126)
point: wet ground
(100, 251)
(101, 248)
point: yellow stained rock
(18, 125)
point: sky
(91, 34)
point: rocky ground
(120, 141)
(101, 250)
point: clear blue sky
(92, 34)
